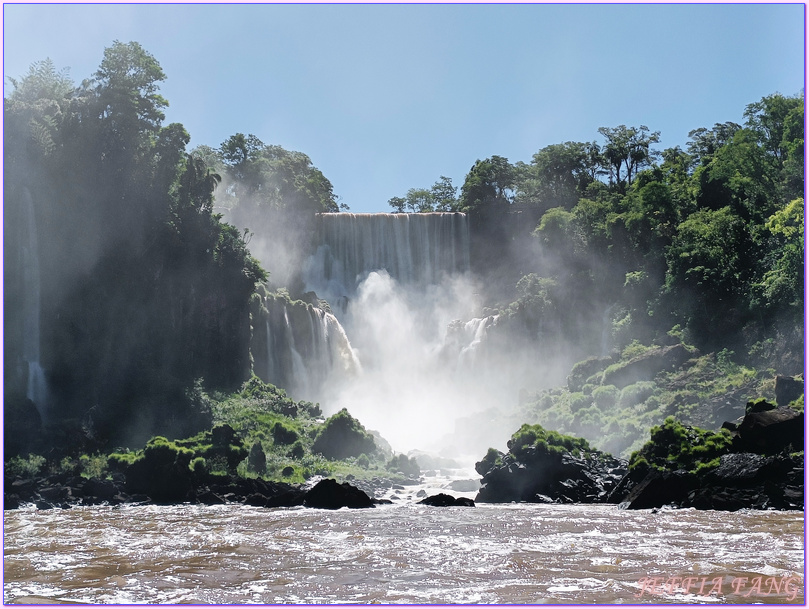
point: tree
(741, 175)
(444, 194)
(489, 184)
(630, 148)
(781, 286)
(398, 204)
(420, 200)
(710, 264)
(126, 84)
(705, 142)
(768, 119)
(556, 177)
(35, 109)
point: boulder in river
(329, 494)
(444, 500)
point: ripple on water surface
(402, 554)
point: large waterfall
(400, 285)
(411, 248)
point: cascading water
(37, 389)
(305, 348)
(411, 248)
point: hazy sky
(388, 97)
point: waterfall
(474, 333)
(36, 390)
(306, 348)
(412, 248)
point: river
(402, 553)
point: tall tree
(628, 148)
(556, 177)
(488, 184)
(444, 194)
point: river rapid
(401, 553)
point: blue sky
(388, 97)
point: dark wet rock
(43, 505)
(444, 500)
(759, 406)
(329, 494)
(787, 389)
(382, 501)
(290, 498)
(22, 426)
(55, 494)
(256, 499)
(103, 490)
(740, 481)
(421, 493)
(770, 432)
(562, 478)
(206, 497)
(658, 489)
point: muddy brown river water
(402, 553)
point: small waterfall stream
(37, 390)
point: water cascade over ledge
(411, 248)
(301, 347)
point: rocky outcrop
(646, 366)
(328, 494)
(542, 477)
(444, 500)
(771, 431)
(787, 389)
(741, 481)
(63, 491)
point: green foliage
(343, 436)
(93, 466)
(493, 458)
(257, 459)
(283, 434)
(402, 464)
(606, 396)
(28, 467)
(674, 446)
(544, 441)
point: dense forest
(146, 258)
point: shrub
(493, 458)
(605, 397)
(199, 466)
(297, 450)
(405, 465)
(544, 441)
(676, 446)
(363, 461)
(24, 468)
(94, 466)
(343, 436)
(257, 459)
(283, 434)
(637, 393)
